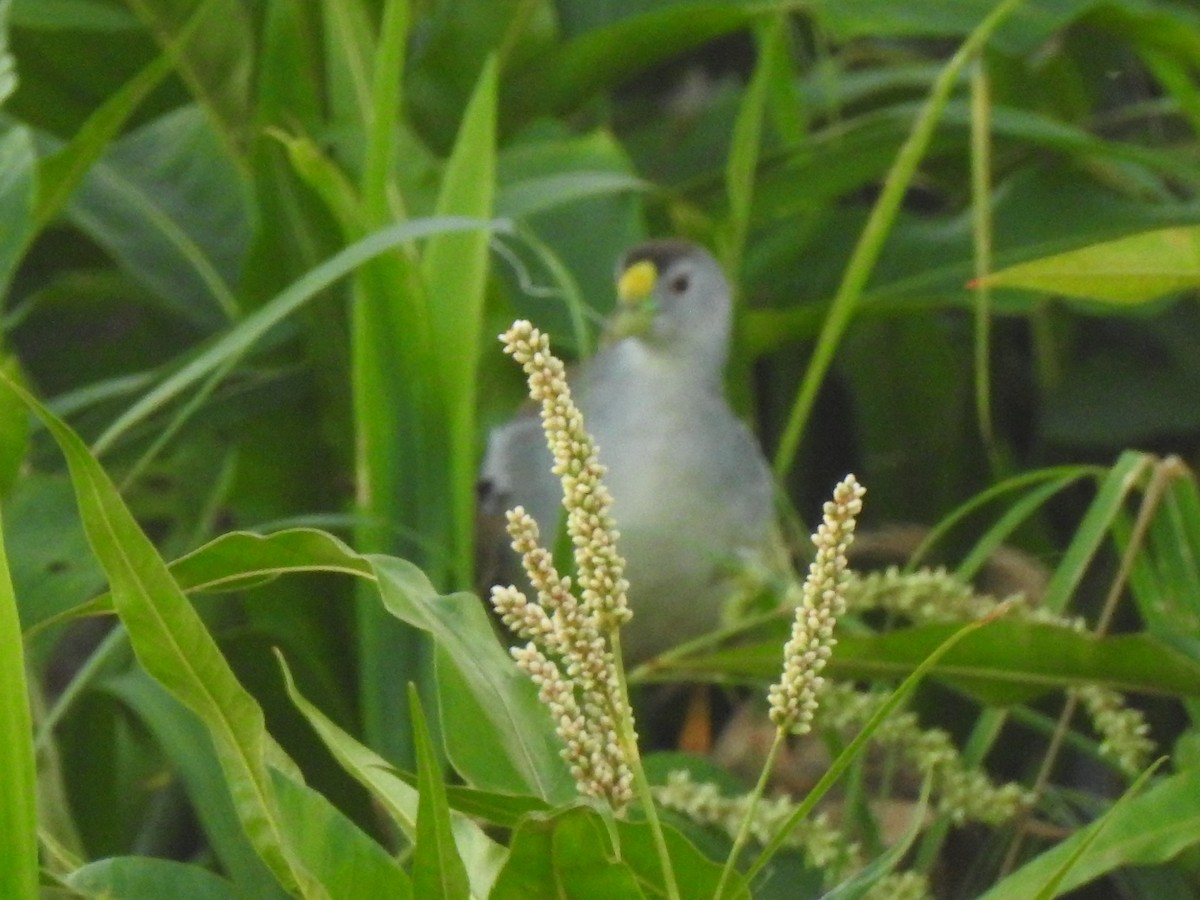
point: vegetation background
(256, 253)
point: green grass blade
(1149, 830)
(742, 163)
(879, 224)
(173, 645)
(18, 801)
(1126, 474)
(455, 269)
(437, 868)
(238, 340)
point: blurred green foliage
(255, 254)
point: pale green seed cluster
(1122, 730)
(900, 886)
(935, 595)
(568, 653)
(703, 803)
(962, 793)
(824, 846)
(793, 700)
(926, 595)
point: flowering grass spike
(571, 641)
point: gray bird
(692, 493)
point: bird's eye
(680, 284)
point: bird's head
(673, 295)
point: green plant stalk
(879, 223)
(628, 739)
(847, 756)
(743, 834)
(18, 798)
(981, 217)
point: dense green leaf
(143, 878)
(1145, 831)
(1135, 269)
(569, 852)
(17, 186)
(1008, 662)
(526, 757)
(173, 208)
(338, 852)
(174, 646)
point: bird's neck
(668, 365)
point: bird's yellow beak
(635, 291)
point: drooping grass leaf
(175, 648)
(145, 878)
(1127, 271)
(1009, 662)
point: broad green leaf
(234, 561)
(1131, 270)
(18, 800)
(570, 853)
(340, 854)
(61, 172)
(172, 207)
(144, 878)
(173, 645)
(565, 854)
(526, 748)
(437, 869)
(17, 186)
(561, 78)
(394, 793)
(1008, 662)
(187, 747)
(1149, 830)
